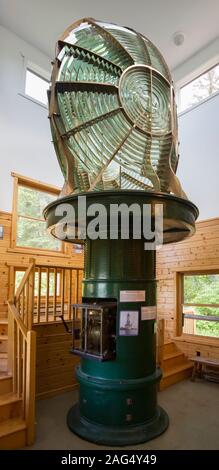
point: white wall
(198, 168)
(25, 142)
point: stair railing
(22, 366)
(24, 296)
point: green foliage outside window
(31, 227)
(203, 289)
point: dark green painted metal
(108, 435)
(120, 393)
(179, 214)
(118, 398)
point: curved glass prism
(112, 111)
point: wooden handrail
(22, 365)
(43, 265)
(58, 287)
(17, 318)
(23, 281)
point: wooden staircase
(175, 366)
(17, 372)
(12, 426)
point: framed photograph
(129, 323)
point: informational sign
(129, 323)
(132, 296)
(149, 313)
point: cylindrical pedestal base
(117, 412)
(118, 396)
(120, 436)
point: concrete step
(12, 434)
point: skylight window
(199, 89)
(36, 87)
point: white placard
(149, 313)
(132, 296)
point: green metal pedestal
(118, 398)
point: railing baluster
(62, 290)
(15, 358)
(18, 363)
(69, 293)
(47, 295)
(26, 303)
(39, 295)
(24, 373)
(77, 286)
(54, 293)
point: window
(29, 226)
(36, 86)
(199, 89)
(200, 304)
(77, 248)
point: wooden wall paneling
(10, 258)
(195, 254)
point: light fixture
(178, 38)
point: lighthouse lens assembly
(114, 127)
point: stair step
(173, 359)
(3, 327)
(9, 398)
(12, 434)
(176, 374)
(5, 383)
(3, 361)
(3, 343)
(180, 368)
(169, 348)
(10, 406)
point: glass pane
(18, 278)
(201, 289)
(201, 327)
(31, 202)
(32, 233)
(207, 328)
(36, 87)
(200, 88)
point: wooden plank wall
(55, 364)
(53, 343)
(200, 251)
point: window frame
(40, 72)
(187, 79)
(19, 180)
(179, 297)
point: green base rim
(117, 436)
